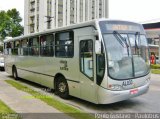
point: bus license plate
(135, 91)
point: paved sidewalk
(16, 100)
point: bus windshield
(127, 55)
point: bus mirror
(95, 32)
(98, 47)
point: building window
(32, 5)
(60, 13)
(72, 9)
(64, 46)
(37, 22)
(38, 5)
(81, 11)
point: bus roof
(73, 26)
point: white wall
(87, 10)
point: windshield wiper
(121, 40)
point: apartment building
(41, 15)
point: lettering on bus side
(65, 65)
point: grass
(4, 108)
(6, 112)
(155, 68)
(69, 110)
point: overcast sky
(132, 10)
(9, 4)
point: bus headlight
(115, 87)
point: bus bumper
(107, 96)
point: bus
(101, 61)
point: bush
(155, 71)
(1, 48)
(155, 66)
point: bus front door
(87, 57)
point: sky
(9, 4)
(132, 10)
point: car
(1, 62)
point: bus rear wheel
(14, 73)
(62, 88)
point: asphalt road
(147, 103)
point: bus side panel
(70, 72)
(43, 70)
(34, 69)
(85, 84)
(9, 61)
(37, 78)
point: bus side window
(64, 45)
(24, 48)
(11, 48)
(46, 45)
(5, 49)
(34, 46)
(16, 48)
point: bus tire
(14, 73)
(62, 88)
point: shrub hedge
(155, 66)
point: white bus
(101, 61)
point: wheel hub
(62, 87)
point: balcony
(32, 1)
(32, 24)
(32, 9)
(32, 31)
(32, 14)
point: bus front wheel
(62, 88)
(14, 73)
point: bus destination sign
(122, 27)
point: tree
(4, 24)
(10, 24)
(16, 28)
